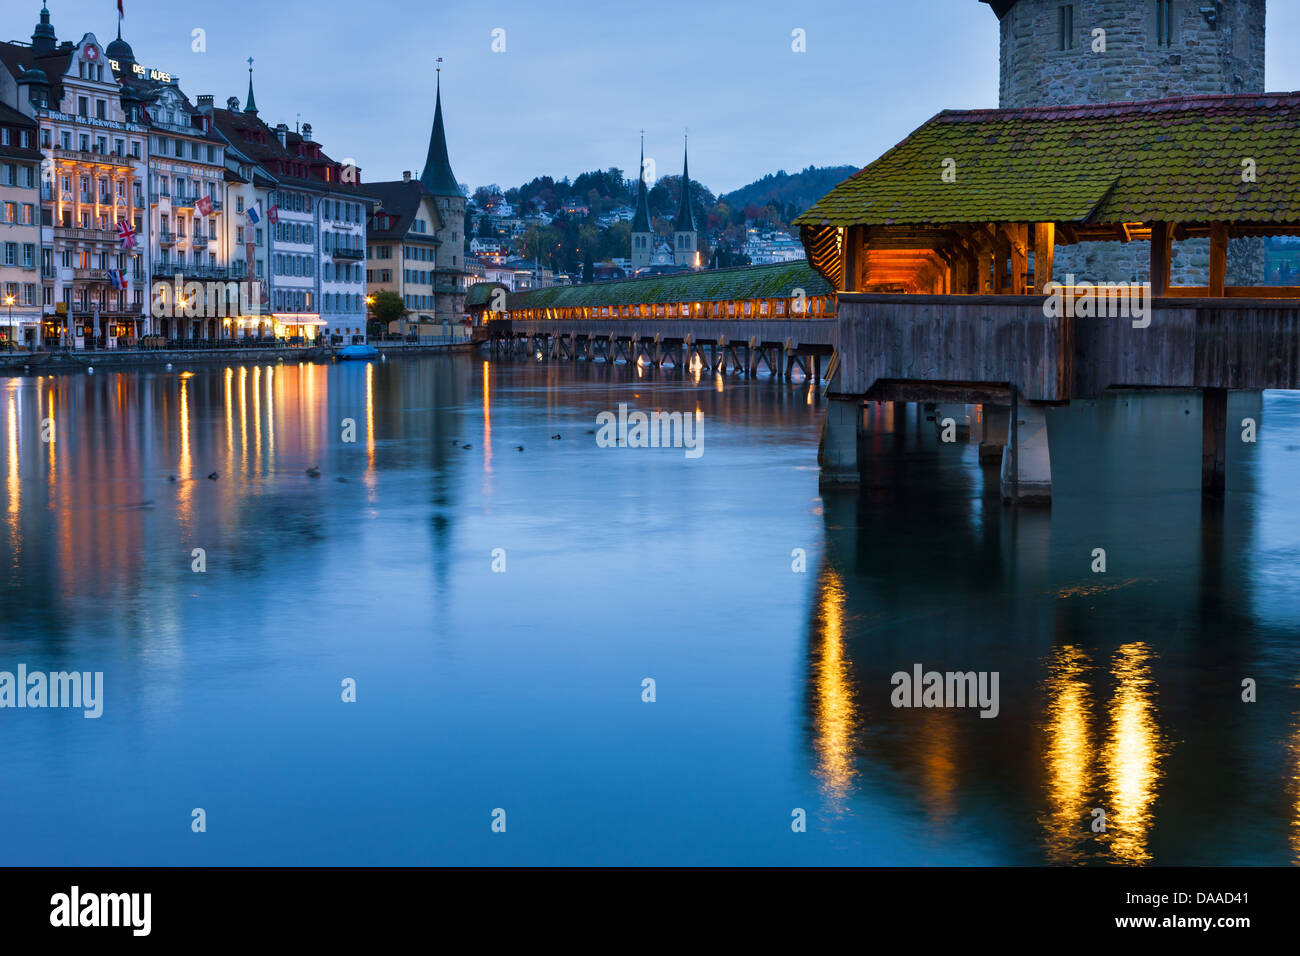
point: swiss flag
(204, 206)
(273, 214)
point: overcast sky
(578, 80)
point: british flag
(126, 232)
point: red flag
(204, 206)
(120, 12)
(273, 214)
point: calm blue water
(522, 690)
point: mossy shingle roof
(1171, 160)
(481, 292)
(775, 281)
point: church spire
(437, 176)
(642, 221)
(685, 219)
(251, 105)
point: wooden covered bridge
(942, 252)
(780, 315)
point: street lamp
(9, 301)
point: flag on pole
(252, 215)
(117, 279)
(204, 206)
(126, 233)
(120, 12)
(273, 214)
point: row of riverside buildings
(129, 213)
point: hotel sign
(143, 73)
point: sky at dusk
(577, 80)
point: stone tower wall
(1199, 60)
(450, 306)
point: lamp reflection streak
(834, 711)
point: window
(101, 109)
(1065, 27)
(1164, 23)
(83, 106)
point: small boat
(358, 352)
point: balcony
(169, 272)
(199, 242)
(216, 204)
(155, 195)
(78, 234)
(90, 275)
(92, 158)
(183, 201)
(166, 238)
(349, 254)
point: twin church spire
(685, 245)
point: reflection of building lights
(1133, 753)
(1068, 756)
(834, 711)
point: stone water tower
(1057, 53)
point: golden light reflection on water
(230, 418)
(185, 488)
(1069, 757)
(1132, 755)
(13, 489)
(52, 444)
(936, 743)
(1119, 774)
(243, 418)
(270, 410)
(257, 418)
(371, 478)
(834, 711)
(487, 423)
(1295, 793)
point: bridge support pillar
(1214, 441)
(839, 453)
(1026, 461)
(997, 421)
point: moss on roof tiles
(775, 281)
(1177, 160)
(480, 292)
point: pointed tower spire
(437, 176)
(685, 219)
(251, 105)
(642, 221)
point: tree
(388, 307)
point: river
(502, 595)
